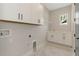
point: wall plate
(5, 33)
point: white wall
(77, 20)
(55, 23)
(19, 43)
(64, 31)
(77, 29)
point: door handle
(38, 20)
(18, 15)
(21, 16)
(77, 38)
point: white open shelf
(20, 21)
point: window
(63, 19)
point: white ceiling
(54, 6)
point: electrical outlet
(4, 33)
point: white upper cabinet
(9, 11)
(31, 12)
(37, 12)
(22, 12)
(25, 11)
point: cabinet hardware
(1, 34)
(77, 38)
(74, 19)
(38, 20)
(74, 35)
(21, 16)
(34, 45)
(18, 15)
(74, 50)
(74, 3)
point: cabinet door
(37, 12)
(31, 12)
(9, 11)
(68, 39)
(25, 10)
